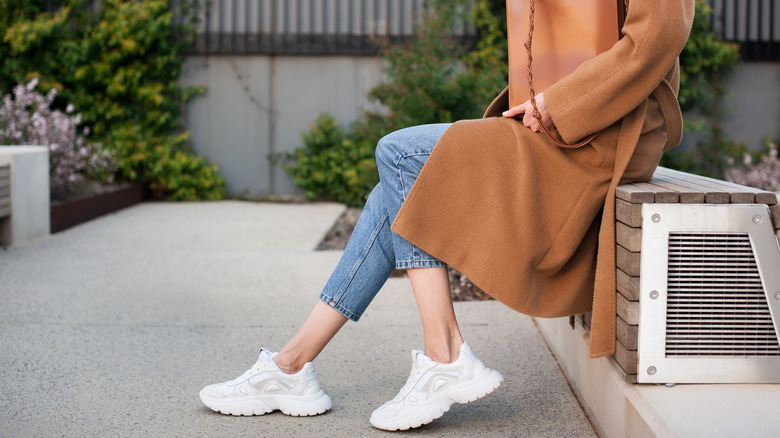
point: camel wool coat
(532, 223)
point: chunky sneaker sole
(265, 388)
(433, 387)
(294, 405)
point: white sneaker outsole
(294, 405)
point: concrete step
(620, 409)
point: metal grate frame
(709, 295)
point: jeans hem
(349, 315)
(414, 264)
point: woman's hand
(527, 110)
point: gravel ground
(462, 289)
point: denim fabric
(374, 250)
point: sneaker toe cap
(217, 390)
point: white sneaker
(265, 388)
(433, 387)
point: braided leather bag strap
(536, 114)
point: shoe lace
(411, 381)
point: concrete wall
(258, 105)
(752, 109)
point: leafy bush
(332, 165)
(26, 118)
(118, 64)
(763, 175)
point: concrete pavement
(112, 327)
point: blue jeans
(374, 250)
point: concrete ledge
(29, 194)
(621, 409)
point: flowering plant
(764, 175)
(26, 118)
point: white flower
(32, 84)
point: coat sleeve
(604, 89)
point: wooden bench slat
(767, 198)
(5, 192)
(628, 213)
(627, 285)
(627, 237)
(627, 334)
(712, 195)
(628, 310)
(729, 184)
(760, 196)
(627, 359)
(634, 195)
(775, 211)
(627, 261)
(5, 210)
(687, 195)
(662, 195)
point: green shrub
(331, 165)
(118, 64)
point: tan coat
(520, 216)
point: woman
(525, 211)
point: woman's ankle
(444, 352)
(287, 363)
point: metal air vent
(709, 295)
(716, 304)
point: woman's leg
(440, 329)
(320, 327)
(400, 159)
(448, 371)
(370, 255)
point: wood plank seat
(5, 190)
(667, 187)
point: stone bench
(698, 281)
(24, 193)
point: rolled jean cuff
(329, 301)
(414, 264)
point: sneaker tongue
(420, 358)
(265, 355)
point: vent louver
(716, 303)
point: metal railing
(306, 27)
(353, 27)
(755, 24)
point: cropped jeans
(374, 250)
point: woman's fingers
(526, 109)
(530, 121)
(515, 111)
